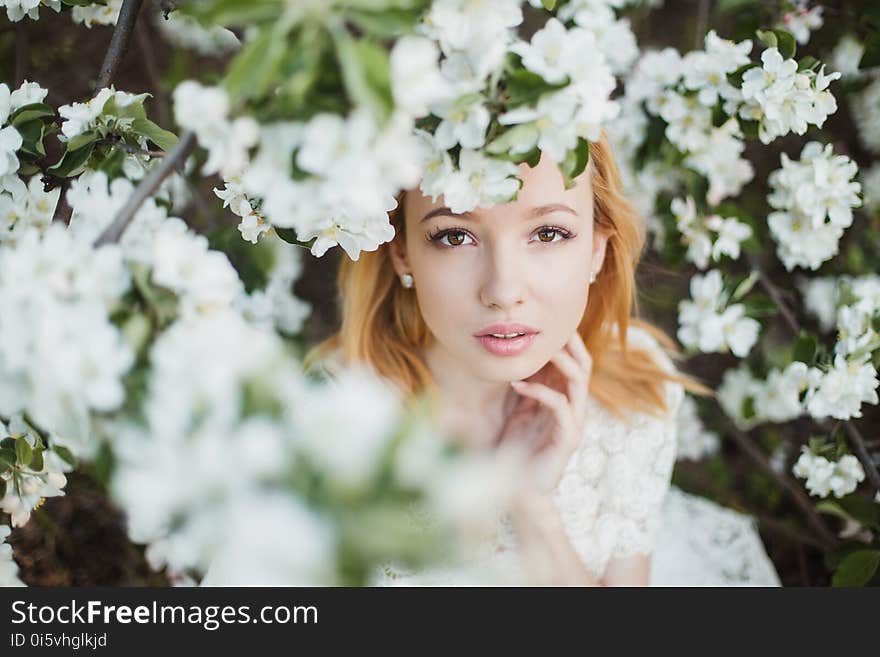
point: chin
(511, 368)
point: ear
(397, 253)
(600, 243)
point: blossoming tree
(130, 339)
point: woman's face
(526, 262)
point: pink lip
(506, 346)
(507, 327)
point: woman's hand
(549, 415)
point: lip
(506, 346)
(506, 327)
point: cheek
(442, 290)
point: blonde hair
(383, 328)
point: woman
(518, 317)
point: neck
(472, 408)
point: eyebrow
(535, 212)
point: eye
(453, 237)
(548, 234)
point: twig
(702, 22)
(118, 42)
(776, 295)
(149, 61)
(21, 52)
(799, 538)
(862, 452)
(794, 491)
(134, 150)
(147, 187)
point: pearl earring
(406, 280)
(592, 278)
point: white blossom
(708, 324)
(865, 108)
(185, 31)
(480, 181)
(204, 110)
(97, 14)
(8, 567)
(824, 477)
(846, 56)
(801, 20)
(806, 193)
(738, 388)
(841, 391)
(695, 442)
(783, 99)
(415, 75)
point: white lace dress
(616, 500)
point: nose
(504, 279)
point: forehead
(542, 185)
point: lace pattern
(614, 499)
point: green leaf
(288, 235)
(549, 5)
(81, 140)
(520, 134)
(808, 62)
(366, 75)
(235, 12)
(7, 458)
(134, 110)
(575, 162)
(736, 77)
(162, 138)
(768, 38)
(2, 488)
(29, 113)
(65, 455)
(862, 509)
(759, 305)
(32, 138)
(525, 87)
(256, 67)
(36, 463)
(857, 568)
(871, 56)
(383, 24)
(786, 43)
(805, 348)
(745, 286)
(832, 508)
(72, 163)
(749, 128)
(23, 451)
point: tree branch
(147, 188)
(776, 295)
(118, 42)
(21, 52)
(794, 491)
(871, 469)
(148, 58)
(864, 456)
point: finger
(552, 399)
(577, 382)
(581, 354)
